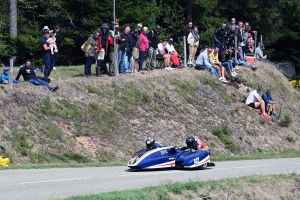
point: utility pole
(13, 18)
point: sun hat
(104, 25)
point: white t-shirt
(160, 47)
(252, 97)
(170, 48)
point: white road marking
(58, 180)
(142, 174)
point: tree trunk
(13, 18)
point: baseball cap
(5, 68)
(46, 28)
(268, 90)
(171, 40)
(262, 46)
(136, 31)
(259, 87)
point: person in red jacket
(104, 40)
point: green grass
(204, 189)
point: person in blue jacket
(5, 77)
(269, 102)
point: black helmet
(150, 142)
(190, 142)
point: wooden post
(184, 47)
(229, 194)
(11, 61)
(235, 49)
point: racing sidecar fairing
(168, 157)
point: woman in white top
(193, 41)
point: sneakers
(233, 74)
(266, 116)
(275, 114)
(190, 63)
(134, 71)
(236, 68)
(168, 68)
(54, 68)
(54, 89)
(223, 80)
(55, 50)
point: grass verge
(270, 187)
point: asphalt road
(35, 184)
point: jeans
(220, 46)
(242, 62)
(111, 63)
(40, 82)
(48, 60)
(126, 62)
(142, 58)
(121, 57)
(228, 65)
(130, 62)
(212, 70)
(88, 65)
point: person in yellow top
(214, 60)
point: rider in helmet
(195, 143)
(151, 144)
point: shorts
(135, 53)
(252, 105)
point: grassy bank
(251, 187)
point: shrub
(286, 121)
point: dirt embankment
(108, 118)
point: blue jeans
(88, 65)
(40, 82)
(242, 62)
(48, 60)
(121, 57)
(212, 70)
(220, 46)
(130, 62)
(142, 58)
(228, 65)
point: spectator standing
(229, 25)
(104, 39)
(46, 55)
(219, 37)
(111, 48)
(90, 49)
(144, 46)
(269, 102)
(153, 42)
(29, 75)
(139, 27)
(59, 38)
(229, 38)
(122, 49)
(186, 33)
(135, 48)
(193, 41)
(255, 101)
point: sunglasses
(140, 27)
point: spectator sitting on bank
(227, 62)
(241, 60)
(174, 56)
(202, 62)
(29, 75)
(161, 53)
(269, 102)
(251, 48)
(259, 52)
(255, 101)
(214, 60)
(5, 77)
